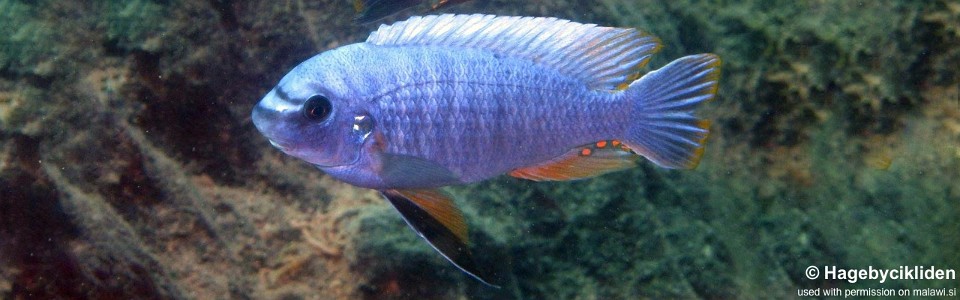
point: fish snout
(269, 121)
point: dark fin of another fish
(603, 58)
(445, 3)
(581, 162)
(878, 161)
(548, 204)
(404, 170)
(434, 216)
(373, 10)
(664, 129)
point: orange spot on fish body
(601, 144)
(615, 143)
(586, 152)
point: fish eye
(317, 108)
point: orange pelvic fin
(434, 216)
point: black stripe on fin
(433, 215)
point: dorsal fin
(601, 57)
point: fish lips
(269, 121)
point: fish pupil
(317, 108)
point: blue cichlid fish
(452, 99)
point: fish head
(310, 115)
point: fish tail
(663, 128)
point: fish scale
(489, 131)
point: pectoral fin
(405, 171)
(433, 215)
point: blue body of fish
(470, 112)
(452, 99)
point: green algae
(136, 24)
(18, 111)
(27, 44)
(809, 56)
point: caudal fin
(664, 129)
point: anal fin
(582, 162)
(434, 216)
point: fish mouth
(268, 121)
(314, 158)
(292, 151)
(281, 147)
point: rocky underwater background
(129, 166)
